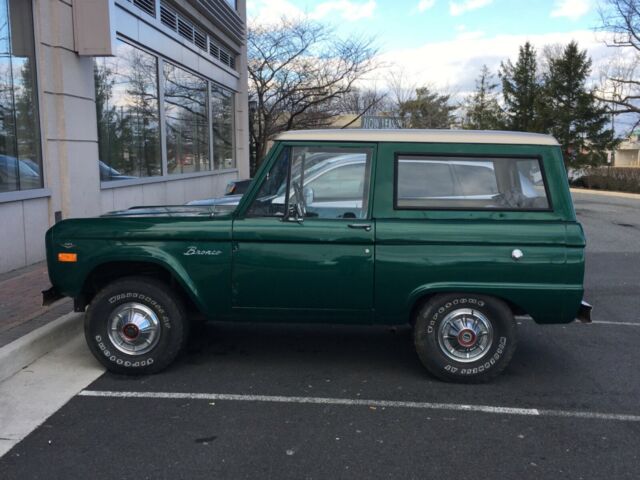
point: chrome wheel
(465, 335)
(134, 328)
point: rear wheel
(135, 325)
(465, 338)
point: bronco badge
(196, 251)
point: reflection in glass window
(470, 183)
(20, 159)
(269, 201)
(128, 114)
(343, 182)
(330, 182)
(187, 124)
(222, 119)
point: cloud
(347, 9)
(572, 9)
(425, 5)
(453, 65)
(458, 8)
(271, 11)
(464, 35)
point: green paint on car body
(238, 268)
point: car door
(303, 243)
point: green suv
(452, 232)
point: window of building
(128, 114)
(470, 183)
(20, 158)
(222, 115)
(187, 121)
(199, 118)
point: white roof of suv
(419, 136)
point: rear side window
(432, 182)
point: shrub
(620, 179)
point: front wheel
(135, 325)
(465, 338)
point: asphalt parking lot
(277, 402)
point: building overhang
(220, 13)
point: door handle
(363, 226)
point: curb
(25, 350)
(606, 193)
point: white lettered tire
(465, 338)
(135, 325)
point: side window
(270, 200)
(469, 183)
(329, 182)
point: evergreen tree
(521, 91)
(482, 110)
(427, 110)
(571, 113)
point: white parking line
(535, 412)
(605, 322)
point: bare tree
(298, 71)
(401, 90)
(361, 102)
(621, 88)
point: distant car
(237, 187)
(575, 174)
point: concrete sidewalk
(21, 309)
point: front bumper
(584, 312)
(50, 296)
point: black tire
(429, 320)
(157, 297)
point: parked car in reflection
(22, 174)
(237, 187)
(463, 181)
(108, 173)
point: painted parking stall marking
(534, 412)
(606, 322)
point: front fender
(197, 275)
(157, 257)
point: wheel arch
(423, 295)
(106, 272)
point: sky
(444, 43)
